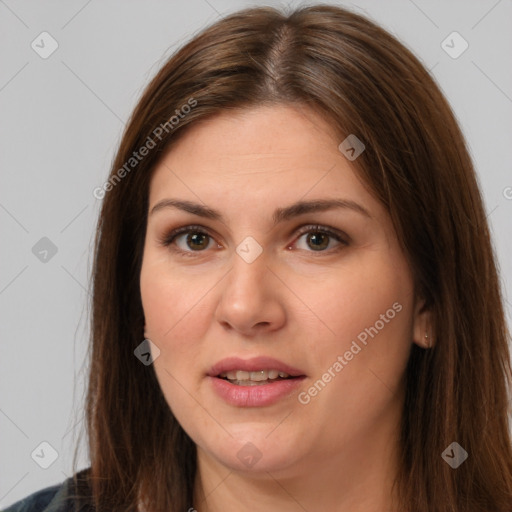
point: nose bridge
(247, 298)
(249, 267)
(249, 250)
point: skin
(295, 303)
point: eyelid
(342, 238)
(169, 237)
(334, 233)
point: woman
(295, 299)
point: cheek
(357, 300)
(177, 318)
(174, 319)
(369, 325)
(174, 302)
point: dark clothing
(64, 497)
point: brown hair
(367, 83)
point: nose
(251, 298)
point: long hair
(416, 163)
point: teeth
(241, 375)
(258, 376)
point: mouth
(254, 370)
(254, 378)
(256, 382)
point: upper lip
(253, 364)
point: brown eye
(187, 240)
(197, 240)
(318, 239)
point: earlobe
(422, 329)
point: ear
(422, 326)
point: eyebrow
(280, 214)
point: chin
(254, 451)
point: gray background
(61, 120)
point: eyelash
(168, 239)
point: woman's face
(265, 279)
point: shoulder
(36, 502)
(63, 497)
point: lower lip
(254, 396)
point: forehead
(257, 153)
(276, 129)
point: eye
(188, 240)
(318, 238)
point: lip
(254, 396)
(253, 365)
